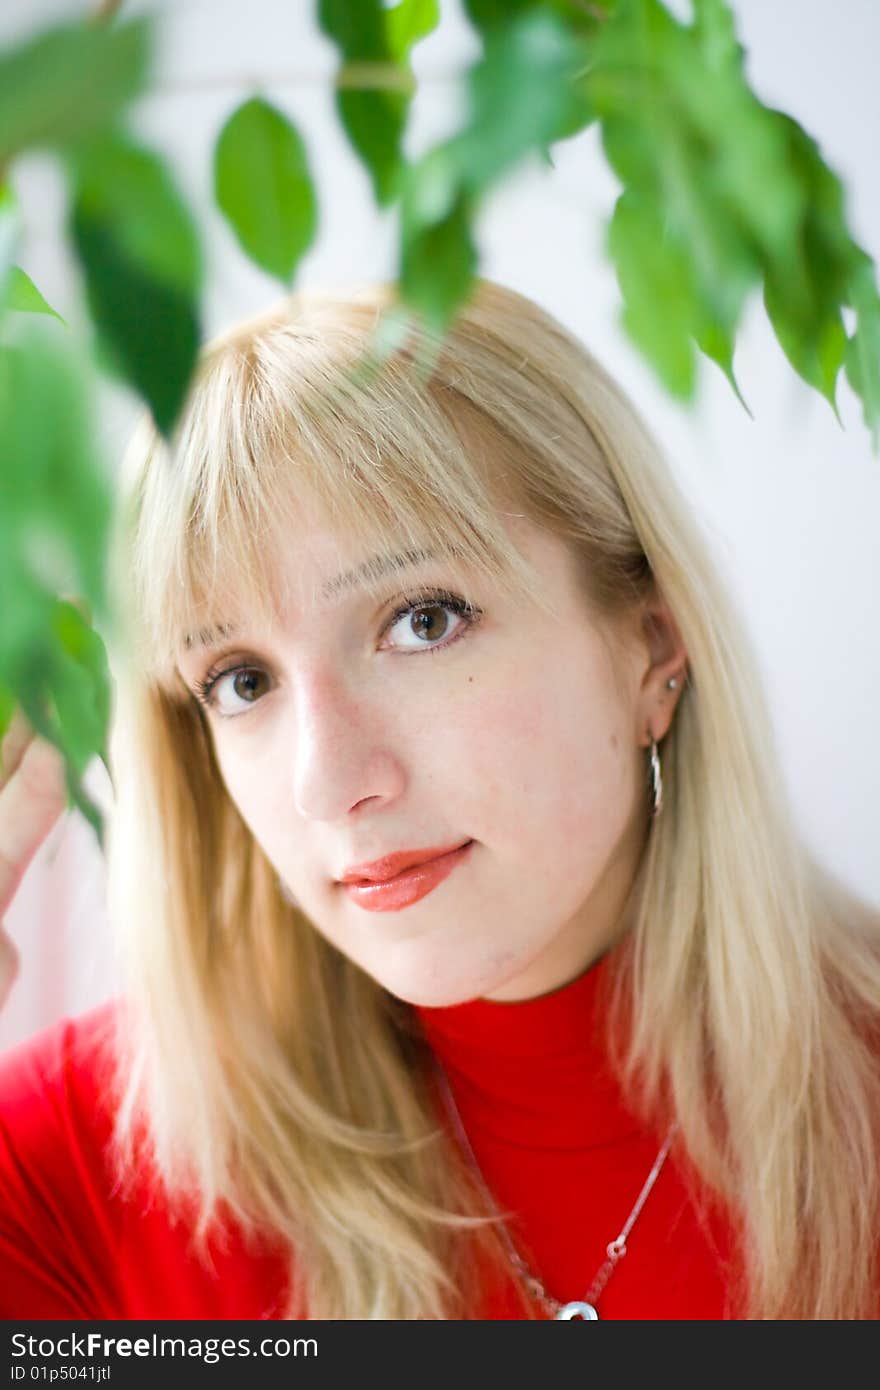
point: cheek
(255, 792)
(547, 759)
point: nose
(343, 754)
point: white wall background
(790, 500)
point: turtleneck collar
(534, 1072)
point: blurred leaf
(814, 344)
(69, 83)
(150, 331)
(22, 294)
(805, 289)
(680, 123)
(67, 700)
(262, 184)
(10, 230)
(55, 503)
(718, 344)
(675, 114)
(863, 348)
(486, 15)
(407, 22)
(140, 253)
(438, 264)
(579, 20)
(661, 309)
(375, 122)
(578, 16)
(374, 119)
(7, 709)
(130, 190)
(746, 155)
(736, 194)
(54, 494)
(520, 97)
(82, 695)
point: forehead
(321, 573)
(314, 590)
(251, 543)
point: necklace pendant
(585, 1311)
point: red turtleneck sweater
(542, 1113)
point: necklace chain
(614, 1251)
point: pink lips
(397, 882)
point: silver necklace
(584, 1308)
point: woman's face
(359, 729)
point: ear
(662, 657)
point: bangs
(291, 424)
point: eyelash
(440, 598)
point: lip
(409, 886)
(391, 865)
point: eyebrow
(374, 568)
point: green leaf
(69, 83)
(358, 29)
(54, 520)
(130, 190)
(10, 230)
(54, 491)
(149, 331)
(811, 335)
(520, 98)
(863, 348)
(82, 690)
(140, 253)
(438, 265)
(718, 344)
(7, 709)
(805, 289)
(407, 22)
(486, 15)
(675, 109)
(375, 122)
(373, 119)
(58, 695)
(263, 185)
(578, 17)
(746, 156)
(736, 194)
(22, 294)
(661, 310)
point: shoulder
(62, 1064)
(56, 1115)
(55, 1093)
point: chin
(435, 989)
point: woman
(497, 985)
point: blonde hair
(264, 1074)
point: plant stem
(376, 76)
(104, 11)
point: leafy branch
(720, 197)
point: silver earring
(656, 772)
(656, 778)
